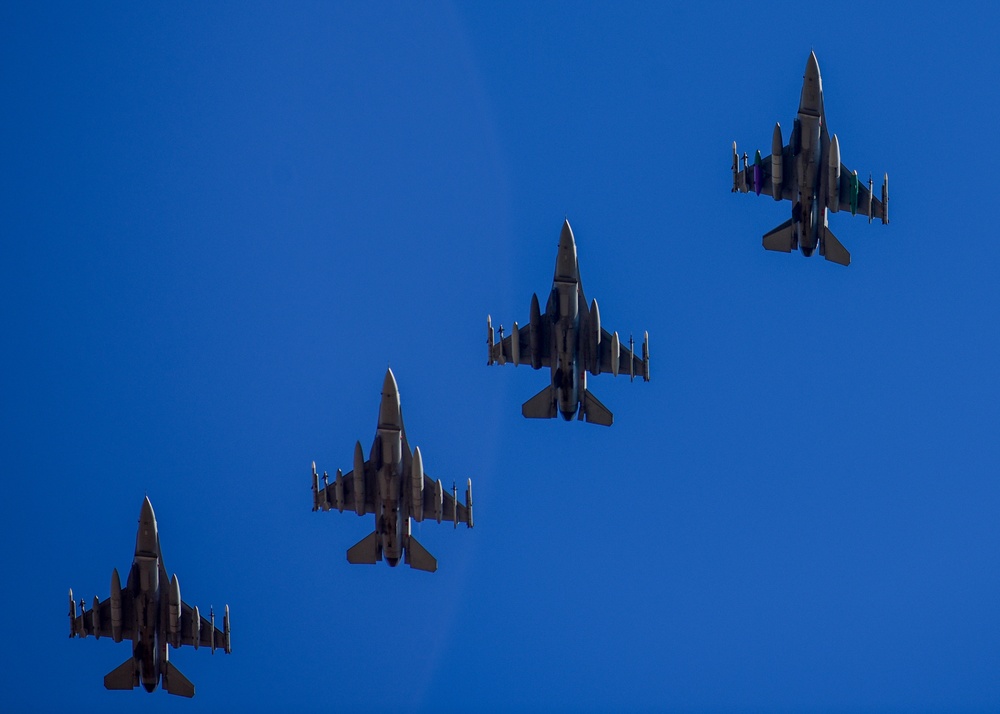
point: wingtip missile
(736, 170)
(72, 614)
(885, 200)
(468, 504)
(489, 341)
(645, 357)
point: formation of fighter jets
(568, 338)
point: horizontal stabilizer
(122, 677)
(365, 551)
(541, 406)
(595, 412)
(176, 683)
(834, 251)
(418, 557)
(780, 238)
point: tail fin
(176, 683)
(832, 248)
(781, 238)
(541, 406)
(595, 412)
(365, 551)
(417, 557)
(123, 676)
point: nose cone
(812, 66)
(147, 541)
(388, 414)
(812, 88)
(146, 514)
(566, 265)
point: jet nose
(566, 239)
(389, 385)
(146, 540)
(812, 66)
(146, 514)
(388, 415)
(566, 268)
(811, 102)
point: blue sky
(220, 224)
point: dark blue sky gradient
(221, 223)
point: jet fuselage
(810, 148)
(565, 306)
(392, 459)
(145, 583)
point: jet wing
(349, 498)
(84, 622)
(854, 195)
(207, 632)
(503, 350)
(625, 357)
(448, 503)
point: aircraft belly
(149, 673)
(569, 402)
(391, 545)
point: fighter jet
(808, 172)
(149, 611)
(392, 485)
(567, 338)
